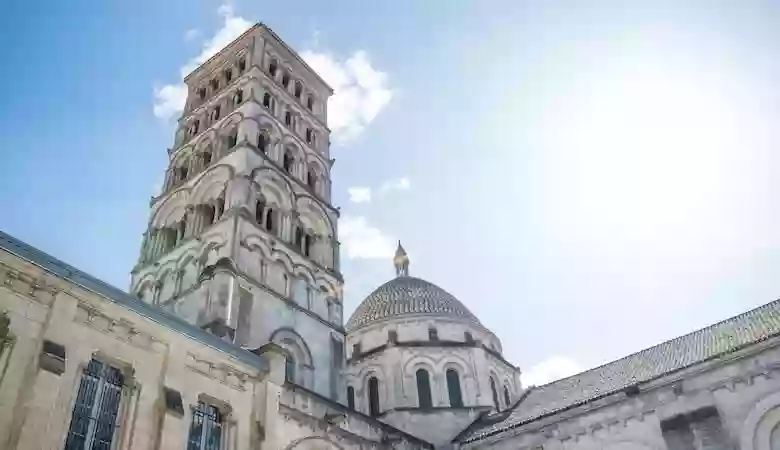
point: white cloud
(191, 34)
(170, 99)
(549, 370)
(359, 91)
(361, 240)
(359, 194)
(398, 184)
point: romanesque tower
(242, 240)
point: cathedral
(231, 335)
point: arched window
(288, 118)
(216, 112)
(262, 142)
(298, 239)
(214, 83)
(494, 392)
(453, 388)
(238, 97)
(209, 215)
(507, 399)
(267, 100)
(310, 103)
(182, 173)
(308, 240)
(241, 65)
(373, 396)
(287, 161)
(206, 158)
(272, 67)
(424, 389)
(289, 369)
(350, 397)
(309, 136)
(285, 80)
(259, 210)
(311, 179)
(228, 75)
(269, 220)
(298, 89)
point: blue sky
(590, 178)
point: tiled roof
(406, 296)
(748, 328)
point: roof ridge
(668, 341)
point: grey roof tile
(748, 328)
(405, 295)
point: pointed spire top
(401, 261)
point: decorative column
(189, 222)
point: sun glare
(645, 150)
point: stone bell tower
(242, 240)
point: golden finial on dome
(401, 261)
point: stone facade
(232, 336)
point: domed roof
(406, 296)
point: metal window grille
(93, 422)
(205, 429)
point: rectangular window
(433, 334)
(93, 421)
(205, 428)
(699, 430)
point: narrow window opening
(307, 244)
(202, 93)
(310, 103)
(238, 97)
(287, 162)
(209, 215)
(269, 220)
(215, 113)
(433, 334)
(261, 142)
(289, 369)
(494, 392)
(453, 388)
(232, 139)
(298, 89)
(267, 100)
(373, 397)
(241, 65)
(423, 389)
(350, 397)
(228, 76)
(272, 68)
(205, 428)
(288, 118)
(214, 83)
(285, 80)
(311, 179)
(507, 398)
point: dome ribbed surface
(407, 295)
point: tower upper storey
(258, 47)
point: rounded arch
(291, 341)
(256, 242)
(289, 142)
(761, 421)
(268, 181)
(314, 216)
(211, 184)
(163, 213)
(302, 270)
(283, 258)
(313, 443)
(230, 122)
(416, 362)
(454, 361)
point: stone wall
(728, 403)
